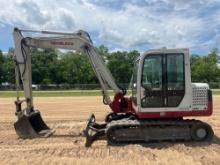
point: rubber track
(151, 123)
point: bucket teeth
(31, 126)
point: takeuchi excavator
(162, 94)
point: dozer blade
(93, 131)
(32, 126)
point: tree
(103, 51)
(121, 65)
(44, 66)
(213, 55)
(8, 67)
(205, 69)
(76, 69)
(1, 67)
(132, 56)
(49, 66)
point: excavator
(162, 94)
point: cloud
(123, 25)
(2, 25)
(32, 12)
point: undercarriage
(126, 128)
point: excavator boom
(30, 122)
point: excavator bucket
(31, 126)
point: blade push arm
(79, 41)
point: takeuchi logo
(61, 43)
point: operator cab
(162, 80)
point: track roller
(201, 132)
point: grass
(67, 93)
(216, 92)
(56, 93)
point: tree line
(50, 66)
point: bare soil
(68, 115)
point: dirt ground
(67, 115)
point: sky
(120, 24)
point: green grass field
(216, 92)
(56, 93)
(67, 93)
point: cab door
(162, 81)
(175, 79)
(152, 85)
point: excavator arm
(30, 123)
(79, 41)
